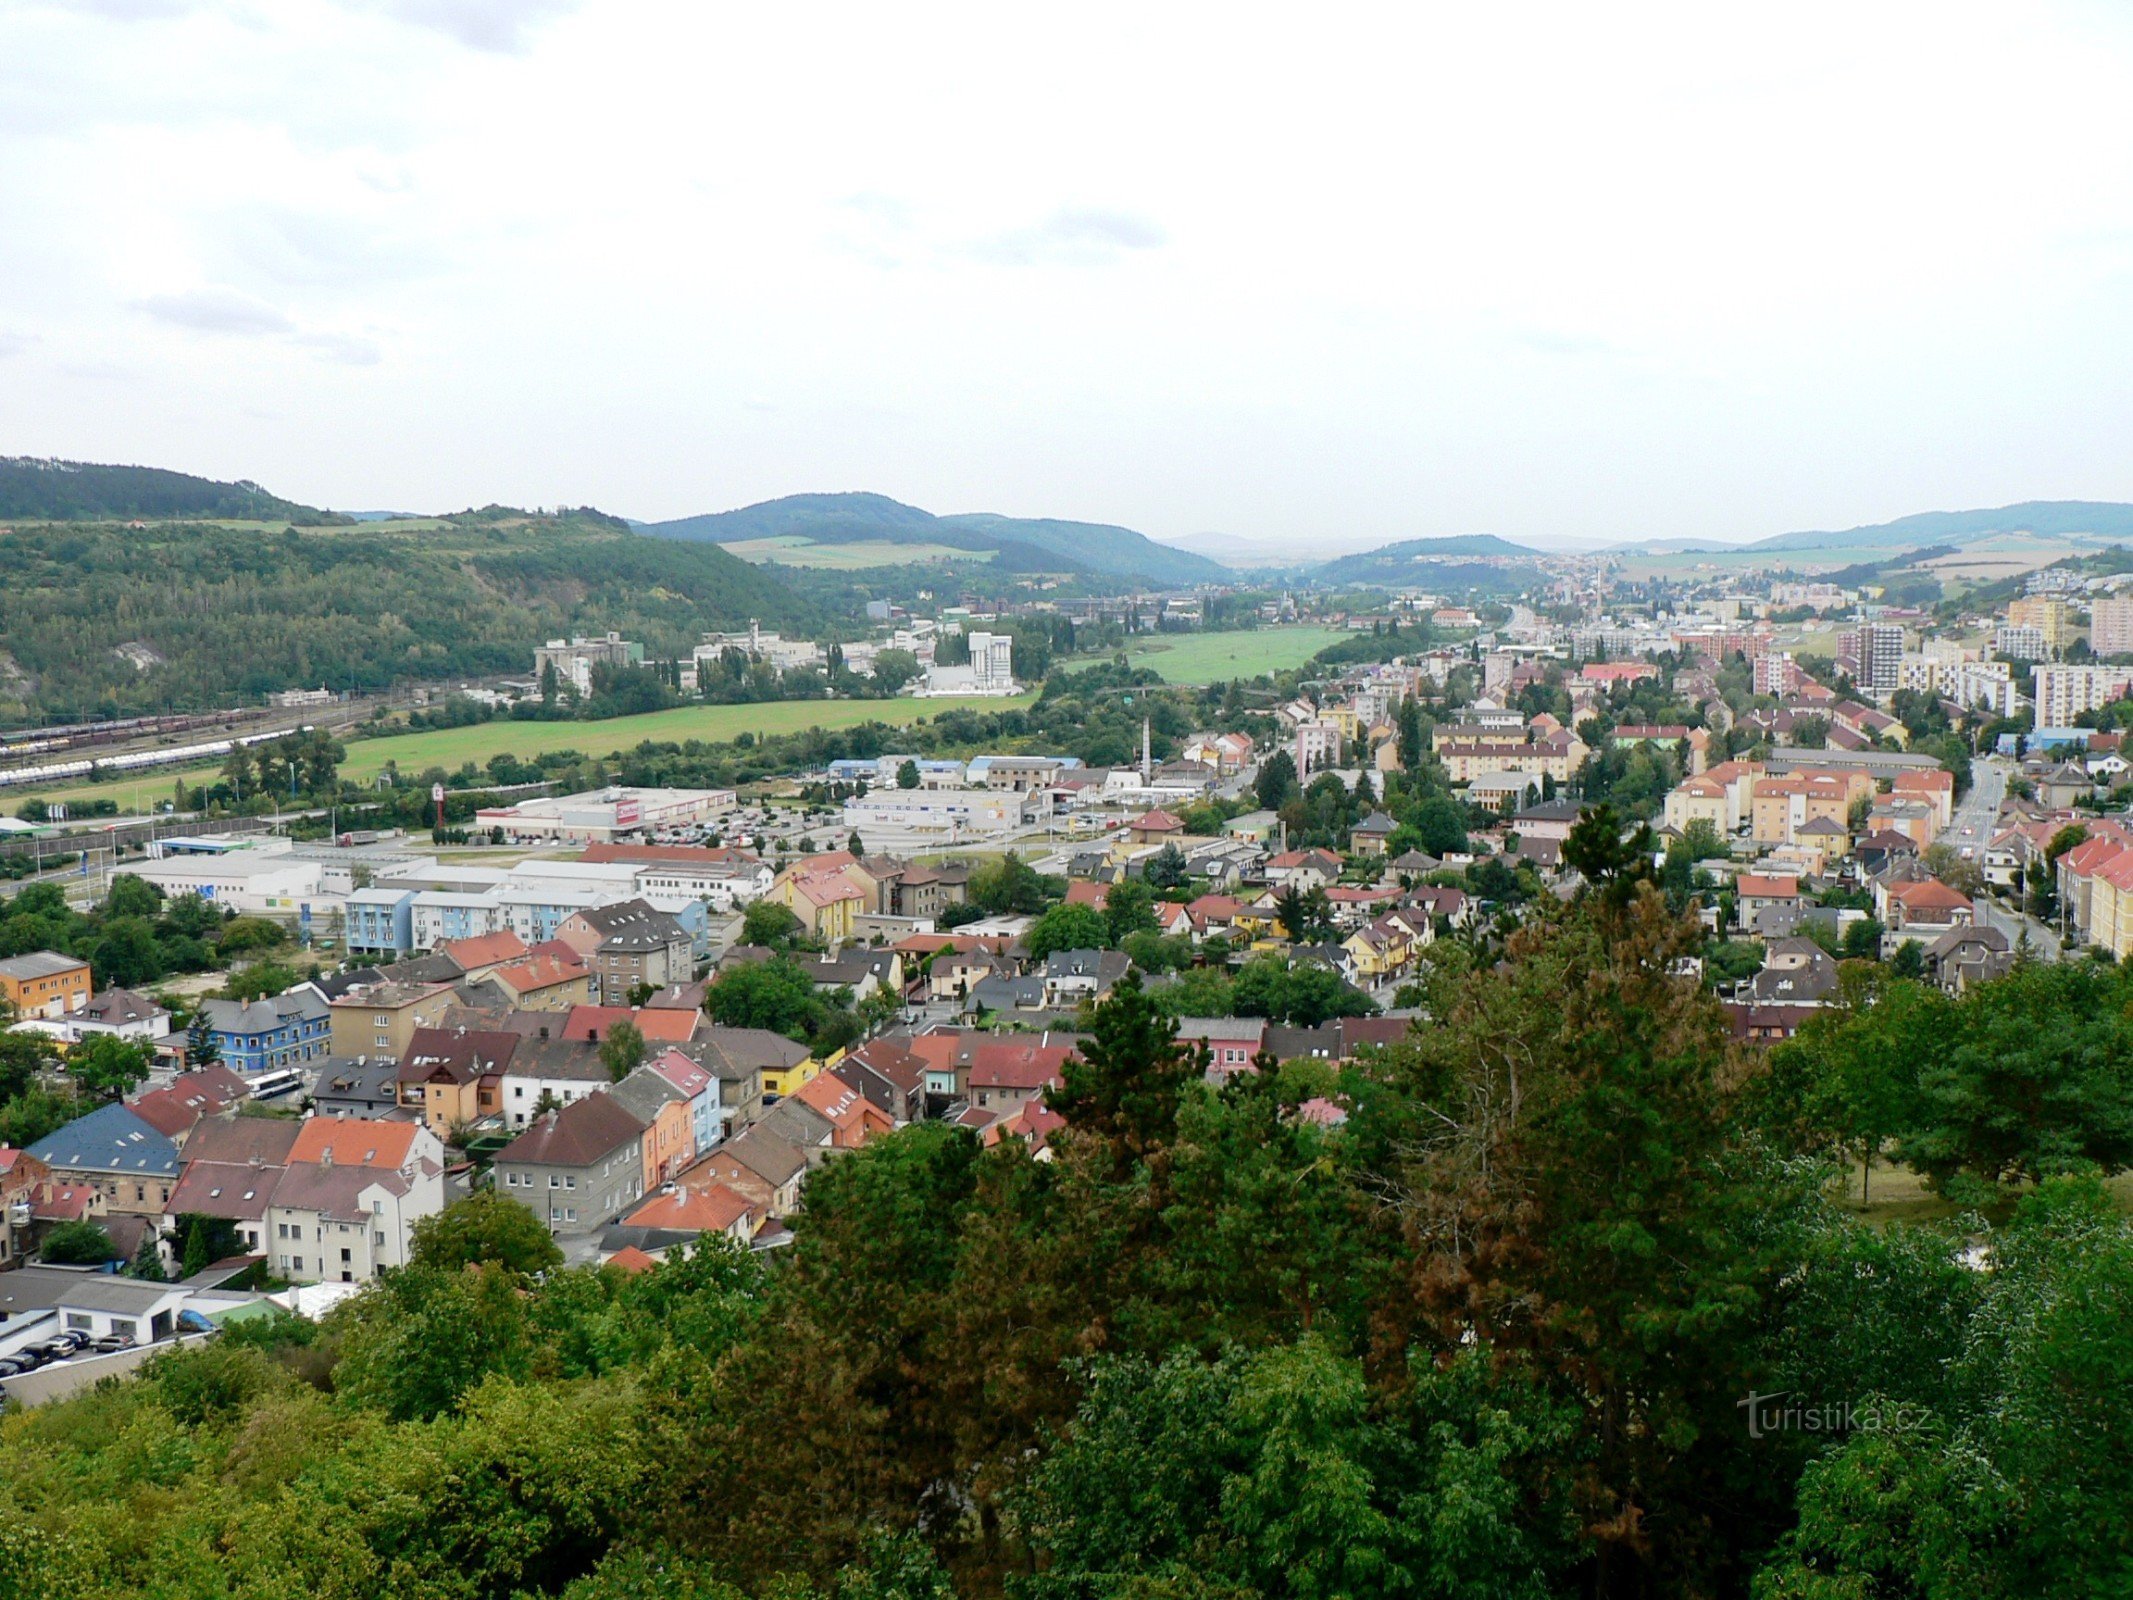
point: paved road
(2041, 938)
(1972, 827)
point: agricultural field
(1202, 658)
(451, 748)
(792, 550)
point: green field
(1200, 658)
(451, 748)
(792, 550)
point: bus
(272, 1085)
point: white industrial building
(602, 816)
(962, 811)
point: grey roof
(736, 1052)
(633, 925)
(40, 964)
(335, 984)
(643, 1093)
(351, 1080)
(767, 1153)
(799, 1124)
(111, 1138)
(104, 1291)
(241, 1141)
(120, 1006)
(436, 967)
(569, 1060)
(302, 1004)
(1104, 966)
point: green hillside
(1458, 562)
(2103, 520)
(1022, 543)
(214, 616)
(36, 490)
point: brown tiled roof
(583, 1132)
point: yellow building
(2050, 616)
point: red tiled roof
(485, 949)
(712, 1209)
(353, 1142)
(657, 1027)
(630, 1259)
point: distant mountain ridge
(2101, 519)
(1023, 541)
(35, 489)
(1413, 560)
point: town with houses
(1820, 777)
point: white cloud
(215, 308)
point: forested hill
(1424, 561)
(1026, 542)
(37, 490)
(107, 618)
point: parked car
(50, 1349)
(110, 1342)
(11, 1368)
(73, 1338)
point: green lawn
(1201, 658)
(450, 747)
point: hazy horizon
(1316, 283)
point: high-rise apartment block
(2064, 693)
(2048, 614)
(2111, 626)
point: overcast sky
(1315, 275)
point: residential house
(698, 1087)
(21, 1175)
(548, 1073)
(578, 1167)
(346, 1205)
(176, 1108)
(1002, 1074)
(1231, 1042)
(122, 1157)
(453, 1077)
(661, 1026)
(686, 1215)
(891, 1074)
(860, 970)
(853, 1118)
(231, 1168)
(120, 1013)
(1303, 869)
(284, 1030)
(1370, 836)
(629, 946)
(669, 1119)
(365, 1087)
(1072, 976)
(545, 981)
(1966, 955)
(1921, 908)
(1156, 827)
(1795, 971)
(760, 1164)
(484, 953)
(827, 893)
(1758, 893)
(44, 983)
(381, 1019)
(756, 1065)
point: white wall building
(2064, 693)
(948, 810)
